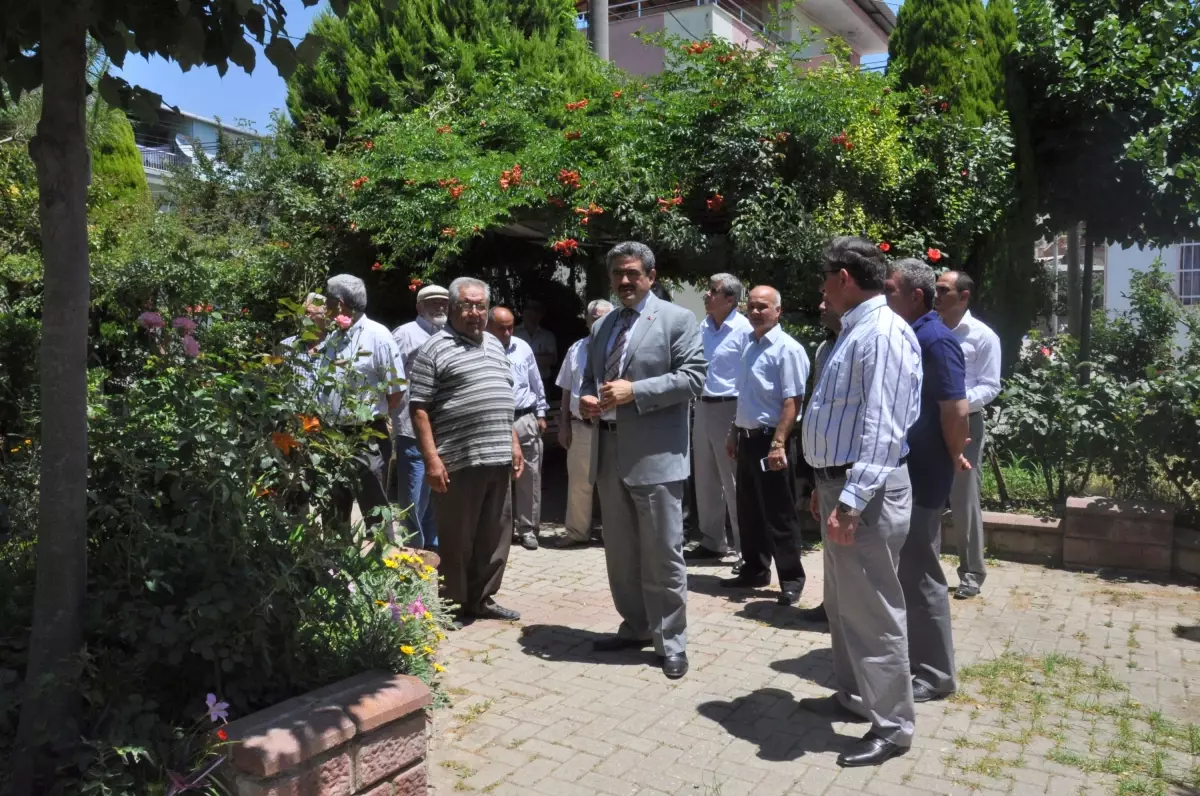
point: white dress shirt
(528, 391)
(409, 338)
(723, 350)
(366, 363)
(981, 349)
(638, 310)
(570, 375)
(866, 399)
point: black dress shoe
(744, 581)
(788, 597)
(565, 542)
(675, 666)
(870, 751)
(618, 643)
(493, 611)
(736, 569)
(529, 540)
(966, 591)
(814, 614)
(830, 708)
(925, 693)
(702, 553)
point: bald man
(529, 421)
(770, 389)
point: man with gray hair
(462, 413)
(935, 443)
(367, 384)
(433, 302)
(575, 435)
(772, 375)
(723, 332)
(645, 364)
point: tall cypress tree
(948, 47)
(385, 55)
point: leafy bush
(216, 564)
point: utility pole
(598, 27)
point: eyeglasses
(466, 307)
(826, 273)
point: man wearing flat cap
(433, 305)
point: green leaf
(242, 53)
(310, 49)
(283, 55)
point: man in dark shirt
(936, 443)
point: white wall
(1123, 263)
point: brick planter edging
(363, 736)
(1102, 532)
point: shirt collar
(928, 317)
(640, 307)
(964, 324)
(427, 325)
(861, 311)
(727, 323)
(450, 330)
(771, 336)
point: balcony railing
(162, 160)
(632, 9)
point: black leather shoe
(565, 542)
(617, 643)
(814, 614)
(529, 540)
(702, 553)
(830, 708)
(788, 597)
(870, 751)
(744, 581)
(675, 666)
(924, 693)
(736, 569)
(494, 611)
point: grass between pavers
(1088, 715)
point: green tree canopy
(385, 55)
(947, 46)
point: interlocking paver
(551, 717)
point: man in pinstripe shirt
(868, 396)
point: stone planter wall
(1186, 559)
(1015, 537)
(364, 736)
(1102, 532)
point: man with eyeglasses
(462, 412)
(867, 398)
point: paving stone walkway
(1071, 684)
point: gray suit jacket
(665, 361)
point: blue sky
(238, 95)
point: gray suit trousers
(527, 490)
(865, 603)
(643, 548)
(716, 490)
(967, 511)
(927, 600)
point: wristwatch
(776, 444)
(848, 511)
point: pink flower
(1045, 351)
(151, 320)
(187, 324)
(190, 346)
(417, 608)
(343, 322)
(217, 711)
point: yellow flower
(437, 667)
(14, 190)
(28, 442)
(428, 615)
(13, 450)
(407, 650)
(424, 576)
(441, 636)
(390, 563)
(429, 570)
(428, 649)
(380, 602)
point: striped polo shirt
(467, 388)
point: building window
(1189, 273)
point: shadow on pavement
(711, 585)
(785, 617)
(815, 665)
(570, 645)
(1188, 632)
(770, 718)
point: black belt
(717, 399)
(607, 425)
(752, 433)
(519, 413)
(839, 470)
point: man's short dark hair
(964, 283)
(860, 258)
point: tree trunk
(1085, 317)
(59, 150)
(1073, 296)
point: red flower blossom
(964, 172)
(716, 202)
(358, 183)
(449, 232)
(377, 267)
(284, 442)
(456, 191)
(571, 135)
(569, 178)
(510, 177)
(934, 255)
(885, 247)
(724, 59)
(577, 106)
(554, 200)
(353, 227)
(415, 282)
(665, 205)
(875, 111)
(567, 246)
(445, 128)
(782, 136)
(616, 95)
(944, 105)
(696, 48)
(221, 734)
(368, 145)
(1045, 351)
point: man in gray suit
(645, 365)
